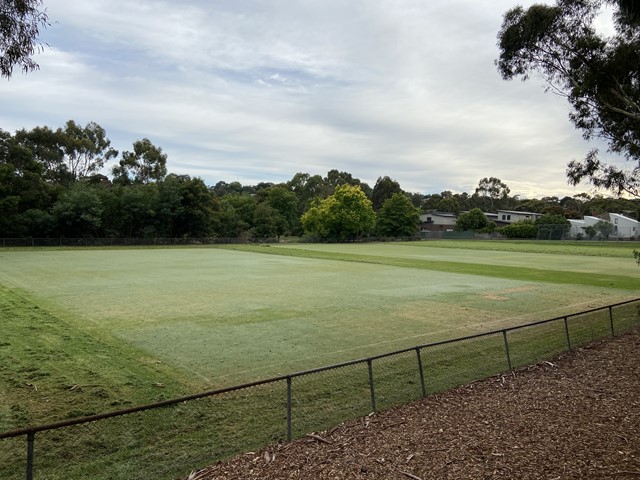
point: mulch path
(577, 417)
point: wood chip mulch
(577, 417)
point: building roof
(515, 212)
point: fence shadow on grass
(170, 439)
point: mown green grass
(131, 326)
(621, 249)
(218, 317)
(52, 370)
(87, 331)
(162, 443)
(527, 265)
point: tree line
(53, 184)
(51, 181)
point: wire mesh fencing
(531, 343)
(164, 442)
(323, 399)
(397, 378)
(170, 439)
(453, 363)
(625, 315)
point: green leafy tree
(532, 205)
(384, 189)
(230, 221)
(25, 195)
(605, 229)
(36, 222)
(244, 206)
(78, 212)
(285, 202)
(85, 150)
(336, 178)
(145, 164)
(68, 154)
(493, 191)
(223, 188)
(431, 202)
(472, 220)
(590, 231)
(448, 205)
(415, 197)
(43, 147)
(347, 213)
(20, 24)
(397, 217)
(186, 207)
(520, 229)
(599, 75)
(268, 222)
(308, 187)
(131, 211)
(552, 226)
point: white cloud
(257, 91)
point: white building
(624, 227)
(578, 226)
(437, 221)
(510, 216)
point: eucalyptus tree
(308, 188)
(20, 25)
(598, 74)
(493, 192)
(384, 189)
(146, 163)
(85, 150)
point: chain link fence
(127, 242)
(170, 439)
(162, 241)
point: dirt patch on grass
(575, 418)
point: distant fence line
(543, 234)
(171, 438)
(143, 241)
(124, 242)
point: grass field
(88, 330)
(91, 330)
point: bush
(472, 220)
(520, 229)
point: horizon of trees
(52, 185)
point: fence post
(31, 438)
(371, 388)
(613, 333)
(289, 402)
(424, 390)
(506, 348)
(566, 332)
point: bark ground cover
(577, 417)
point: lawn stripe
(498, 271)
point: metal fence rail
(171, 438)
(125, 242)
(168, 241)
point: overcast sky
(257, 90)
